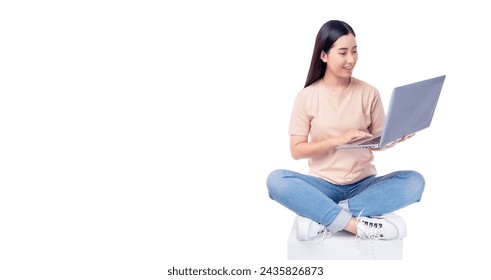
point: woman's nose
(350, 58)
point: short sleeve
(300, 120)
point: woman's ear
(324, 57)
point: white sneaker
(386, 227)
(308, 229)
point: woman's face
(342, 57)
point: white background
(136, 136)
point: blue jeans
(334, 205)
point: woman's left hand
(393, 143)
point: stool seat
(343, 246)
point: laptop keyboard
(375, 140)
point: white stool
(342, 246)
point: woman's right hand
(351, 136)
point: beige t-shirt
(318, 112)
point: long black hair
(329, 33)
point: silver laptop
(411, 109)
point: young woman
(342, 190)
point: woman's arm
(300, 147)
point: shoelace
(367, 231)
(325, 234)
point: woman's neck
(336, 84)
